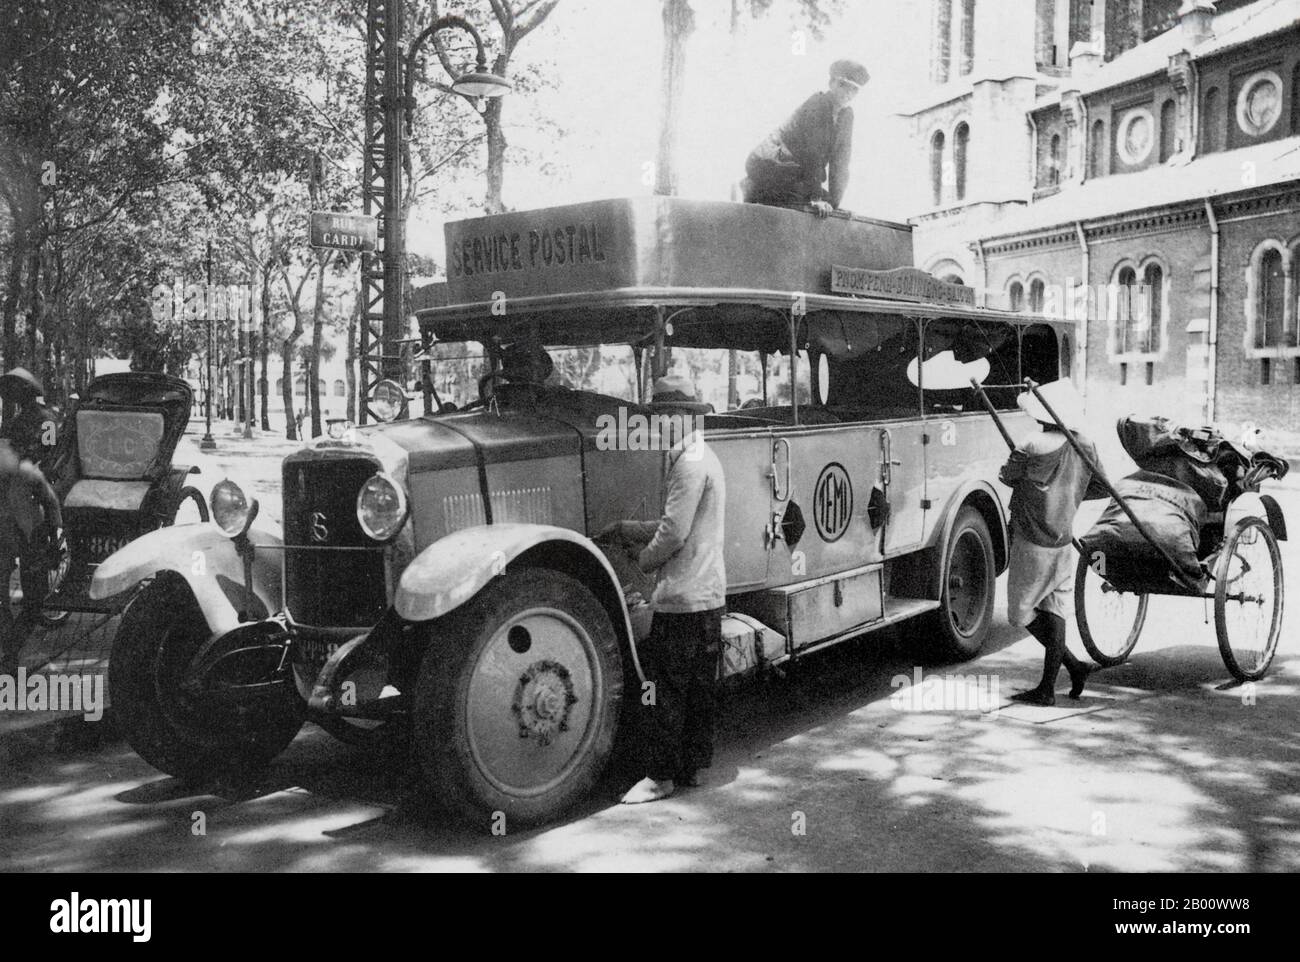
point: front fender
(208, 562)
(988, 500)
(454, 569)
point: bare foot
(648, 790)
(1078, 679)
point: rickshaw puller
(1049, 480)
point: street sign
(345, 232)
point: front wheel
(966, 597)
(170, 727)
(1110, 620)
(518, 699)
(1248, 596)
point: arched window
(1036, 291)
(1097, 149)
(1127, 311)
(1168, 116)
(1212, 121)
(320, 387)
(941, 60)
(1054, 161)
(1153, 280)
(1271, 300)
(960, 138)
(340, 389)
(1016, 296)
(936, 167)
(279, 385)
(967, 36)
(300, 386)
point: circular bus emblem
(832, 502)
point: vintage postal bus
(437, 574)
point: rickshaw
(1238, 565)
(112, 470)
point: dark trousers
(35, 578)
(681, 658)
(780, 185)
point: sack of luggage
(1215, 468)
(1172, 513)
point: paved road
(1161, 767)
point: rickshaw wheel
(1248, 597)
(1110, 620)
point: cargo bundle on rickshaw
(1190, 522)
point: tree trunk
(313, 364)
(496, 143)
(290, 427)
(679, 24)
(265, 383)
(33, 307)
(13, 294)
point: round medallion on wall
(1259, 103)
(1135, 136)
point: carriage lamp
(381, 507)
(232, 511)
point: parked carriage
(112, 469)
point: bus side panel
(966, 447)
(746, 461)
(831, 473)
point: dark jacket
(795, 158)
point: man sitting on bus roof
(789, 167)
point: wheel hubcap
(534, 700)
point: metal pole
(208, 443)
(394, 235)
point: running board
(896, 610)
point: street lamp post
(398, 116)
(208, 443)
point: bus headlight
(232, 511)
(381, 507)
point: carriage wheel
(1110, 620)
(1248, 596)
(48, 616)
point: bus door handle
(887, 459)
(780, 493)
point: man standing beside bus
(1049, 480)
(685, 550)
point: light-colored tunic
(1049, 479)
(1039, 578)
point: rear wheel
(966, 598)
(1110, 620)
(1248, 597)
(518, 699)
(170, 728)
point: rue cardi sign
(345, 232)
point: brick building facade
(1146, 185)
